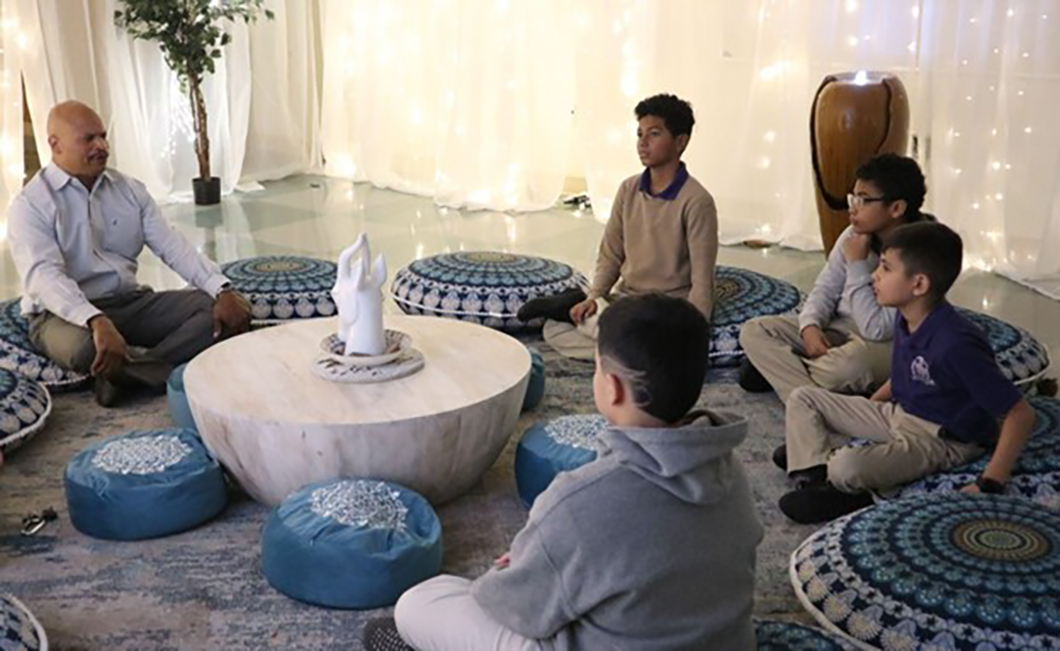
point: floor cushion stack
(739, 296)
(19, 629)
(351, 543)
(549, 448)
(1037, 472)
(24, 408)
(177, 399)
(961, 572)
(486, 287)
(18, 354)
(282, 287)
(144, 485)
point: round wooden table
(276, 426)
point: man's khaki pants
(904, 447)
(161, 329)
(441, 615)
(853, 365)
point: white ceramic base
(334, 369)
(276, 426)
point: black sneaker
(751, 380)
(381, 634)
(780, 457)
(106, 392)
(819, 504)
(556, 307)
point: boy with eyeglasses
(841, 340)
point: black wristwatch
(989, 486)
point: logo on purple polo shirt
(920, 371)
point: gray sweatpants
(903, 447)
(162, 330)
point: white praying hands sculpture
(359, 299)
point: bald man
(76, 231)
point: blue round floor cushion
(24, 408)
(1022, 359)
(535, 388)
(961, 572)
(19, 629)
(18, 354)
(789, 636)
(351, 543)
(485, 287)
(282, 287)
(144, 485)
(552, 447)
(739, 296)
(1036, 475)
(177, 399)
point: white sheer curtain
(11, 150)
(469, 102)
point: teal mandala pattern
(19, 355)
(957, 572)
(1036, 475)
(485, 287)
(1022, 359)
(282, 287)
(24, 407)
(19, 629)
(739, 296)
(786, 636)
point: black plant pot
(207, 191)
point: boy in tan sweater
(662, 235)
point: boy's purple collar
(671, 192)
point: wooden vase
(855, 116)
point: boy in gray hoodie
(650, 546)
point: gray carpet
(204, 590)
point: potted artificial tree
(190, 35)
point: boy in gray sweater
(650, 546)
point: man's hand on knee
(111, 350)
(231, 314)
(582, 311)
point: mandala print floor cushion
(19, 629)
(24, 408)
(552, 447)
(351, 543)
(739, 296)
(788, 636)
(1022, 359)
(19, 355)
(282, 287)
(485, 287)
(1037, 472)
(144, 485)
(958, 572)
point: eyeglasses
(856, 201)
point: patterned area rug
(203, 589)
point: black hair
(897, 177)
(675, 112)
(660, 346)
(928, 248)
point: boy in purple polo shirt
(940, 408)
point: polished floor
(319, 216)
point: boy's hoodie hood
(692, 461)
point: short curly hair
(675, 112)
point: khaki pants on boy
(852, 365)
(575, 341)
(441, 615)
(904, 447)
(161, 329)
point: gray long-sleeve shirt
(71, 245)
(844, 289)
(651, 546)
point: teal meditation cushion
(789, 636)
(19, 629)
(24, 408)
(351, 543)
(144, 485)
(177, 399)
(552, 447)
(535, 389)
